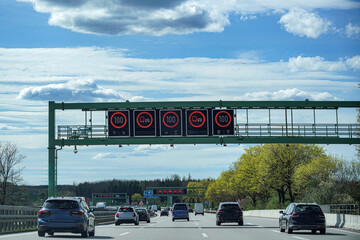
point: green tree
(247, 179)
(280, 163)
(136, 197)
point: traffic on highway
(198, 227)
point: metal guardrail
(352, 209)
(249, 130)
(16, 218)
(19, 218)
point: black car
(69, 214)
(229, 212)
(143, 214)
(164, 212)
(302, 216)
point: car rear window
(180, 207)
(126, 210)
(141, 210)
(308, 209)
(61, 204)
(230, 207)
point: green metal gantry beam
(53, 142)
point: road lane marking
(301, 238)
(340, 230)
(122, 234)
(17, 234)
(275, 231)
(204, 235)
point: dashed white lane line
(275, 231)
(122, 234)
(301, 238)
(204, 235)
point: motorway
(198, 228)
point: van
(154, 207)
(199, 208)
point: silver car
(126, 215)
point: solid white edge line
(341, 230)
(122, 234)
(17, 234)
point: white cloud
(315, 64)
(352, 30)
(163, 16)
(304, 23)
(354, 62)
(288, 95)
(76, 90)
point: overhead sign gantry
(203, 122)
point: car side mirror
(281, 212)
(91, 210)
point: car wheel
(241, 223)
(218, 223)
(173, 219)
(51, 233)
(313, 231)
(148, 221)
(188, 219)
(91, 234)
(41, 233)
(322, 231)
(117, 223)
(281, 229)
(289, 230)
(85, 233)
(136, 223)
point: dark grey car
(302, 216)
(66, 215)
(229, 212)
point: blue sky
(140, 50)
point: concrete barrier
(332, 219)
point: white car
(126, 215)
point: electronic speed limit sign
(223, 122)
(171, 124)
(118, 123)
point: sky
(167, 50)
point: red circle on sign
(117, 113)
(164, 191)
(179, 191)
(160, 191)
(169, 191)
(144, 126)
(174, 191)
(171, 126)
(203, 116)
(220, 125)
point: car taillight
(80, 212)
(295, 215)
(321, 215)
(239, 210)
(133, 214)
(187, 211)
(44, 212)
(117, 214)
(172, 212)
(220, 210)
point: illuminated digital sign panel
(171, 124)
(144, 123)
(197, 123)
(119, 124)
(223, 122)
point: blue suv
(180, 211)
(70, 214)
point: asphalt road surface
(198, 228)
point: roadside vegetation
(271, 176)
